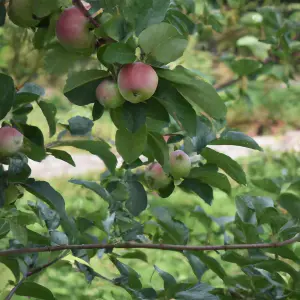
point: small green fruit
(11, 141)
(180, 164)
(156, 177)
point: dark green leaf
(95, 187)
(80, 88)
(167, 191)
(136, 254)
(212, 178)
(62, 155)
(199, 93)
(134, 116)
(198, 292)
(49, 110)
(246, 209)
(228, 165)
(7, 94)
(99, 148)
(169, 281)
(291, 203)
(137, 201)
(177, 106)
(197, 266)
(12, 264)
(204, 133)
(237, 139)
(2, 14)
(162, 42)
(203, 190)
(175, 231)
(80, 126)
(131, 145)
(32, 289)
(267, 184)
(245, 66)
(116, 53)
(4, 228)
(159, 149)
(98, 111)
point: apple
(137, 82)
(11, 141)
(73, 30)
(156, 177)
(108, 94)
(180, 164)
(20, 13)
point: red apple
(137, 82)
(11, 141)
(72, 30)
(180, 164)
(156, 177)
(108, 94)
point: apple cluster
(180, 167)
(136, 82)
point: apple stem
(81, 7)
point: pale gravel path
(52, 167)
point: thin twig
(224, 85)
(151, 246)
(80, 6)
(12, 292)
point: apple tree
(170, 121)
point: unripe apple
(20, 13)
(156, 177)
(137, 82)
(72, 30)
(108, 94)
(11, 141)
(180, 164)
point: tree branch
(224, 85)
(151, 246)
(35, 271)
(81, 7)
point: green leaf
(32, 289)
(204, 133)
(18, 168)
(132, 277)
(116, 53)
(177, 106)
(285, 252)
(58, 60)
(49, 110)
(98, 111)
(33, 133)
(81, 86)
(58, 238)
(99, 148)
(19, 232)
(181, 21)
(4, 228)
(159, 149)
(203, 190)
(80, 126)
(199, 93)
(211, 263)
(162, 42)
(175, 231)
(2, 14)
(33, 151)
(137, 201)
(245, 66)
(95, 187)
(42, 8)
(134, 116)
(245, 209)
(212, 178)
(227, 164)
(44, 191)
(198, 292)
(12, 264)
(197, 266)
(30, 92)
(7, 94)
(274, 265)
(62, 155)
(136, 254)
(267, 184)
(236, 258)
(291, 203)
(131, 145)
(214, 22)
(169, 281)
(236, 138)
